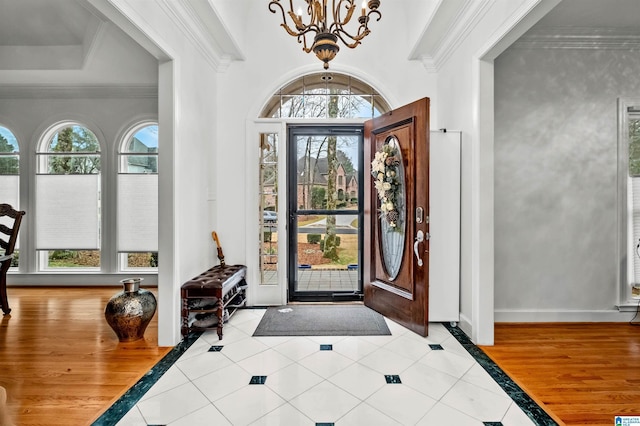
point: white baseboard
(612, 315)
(61, 279)
(465, 325)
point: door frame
(320, 128)
(270, 295)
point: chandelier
(326, 32)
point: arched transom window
(325, 95)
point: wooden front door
(396, 215)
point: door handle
(419, 239)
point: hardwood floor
(62, 365)
(580, 373)
(60, 362)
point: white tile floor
(308, 386)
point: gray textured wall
(555, 176)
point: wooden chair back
(8, 239)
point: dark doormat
(322, 320)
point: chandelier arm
(356, 40)
(318, 14)
(314, 11)
(277, 3)
(284, 16)
(338, 22)
(303, 40)
(371, 12)
(301, 29)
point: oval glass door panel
(389, 176)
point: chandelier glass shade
(326, 25)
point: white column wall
(187, 119)
(465, 85)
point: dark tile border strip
(127, 401)
(520, 397)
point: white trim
(465, 325)
(94, 34)
(630, 305)
(78, 92)
(471, 13)
(557, 315)
(125, 17)
(482, 202)
(66, 278)
(514, 27)
(169, 280)
(189, 19)
(580, 38)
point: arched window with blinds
(138, 198)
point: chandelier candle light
(326, 33)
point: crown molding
(460, 23)
(429, 63)
(580, 38)
(77, 92)
(470, 15)
(200, 23)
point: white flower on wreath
(377, 165)
(383, 170)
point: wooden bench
(211, 298)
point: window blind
(9, 190)
(137, 213)
(68, 212)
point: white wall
(556, 181)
